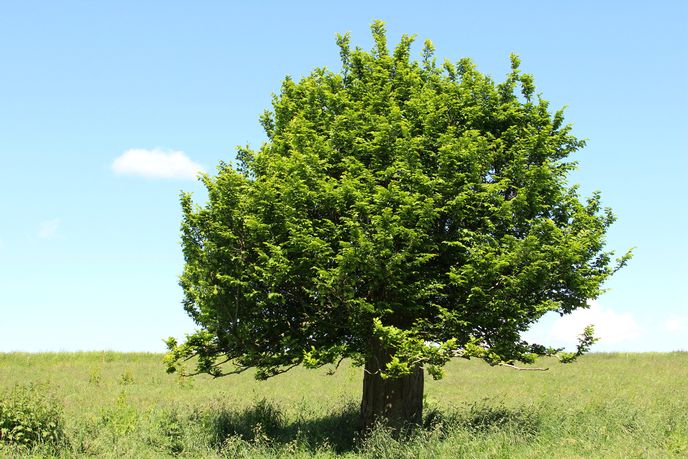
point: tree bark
(395, 402)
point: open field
(125, 405)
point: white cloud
(156, 163)
(676, 324)
(48, 228)
(613, 328)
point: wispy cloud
(48, 228)
(676, 324)
(156, 163)
(611, 327)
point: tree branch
(514, 367)
(332, 371)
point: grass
(125, 405)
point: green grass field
(125, 405)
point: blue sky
(96, 98)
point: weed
(122, 418)
(94, 377)
(170, 430)
(485, 417)
(126, 378)
(28, 417)
(255, 424)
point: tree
(399, 214)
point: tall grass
(125, 405)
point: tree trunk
(393, 401)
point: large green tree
(399, 214)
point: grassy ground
(124, 405)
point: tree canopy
(420, 205)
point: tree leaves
(426, 206)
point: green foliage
(425, 205)
(585, 341)
(28, 418)
(411, 351)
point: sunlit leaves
(425, 206)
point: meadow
(106, 404)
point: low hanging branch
(514, 367)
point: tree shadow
(265, 424)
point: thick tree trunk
(393, 401)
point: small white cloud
(156, 163)
(48, 228)
(676, 324)
(611, 327)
